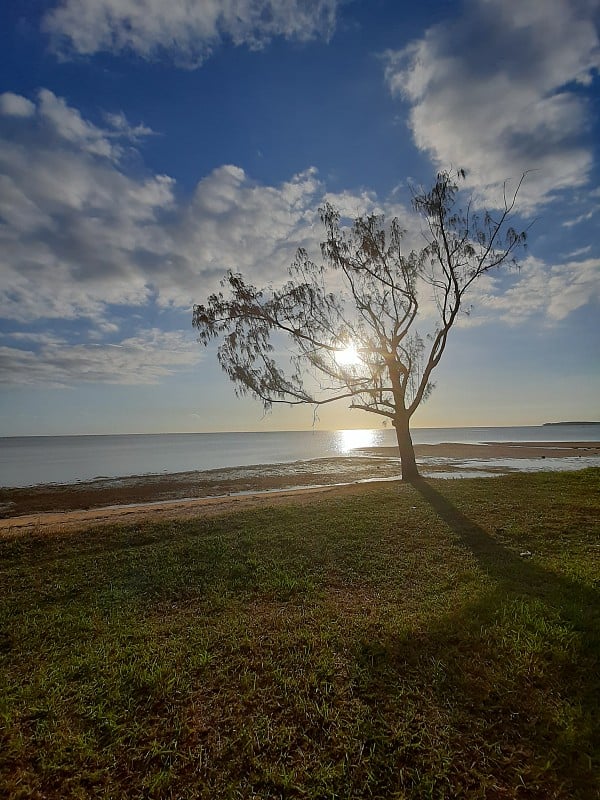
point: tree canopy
(352, 321)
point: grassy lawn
(393, 644)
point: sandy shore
(54, 507)
(493, 450)
(140, 489)
(72, 521)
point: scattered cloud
(234, 223)
(581, 251)
(74, 228)
(587, 215)
(550, 291)
(187, 31)
(13, 105)
(143, 359)
(78, 234)
(123, 129)
(499, 91)
(69, 126)
(81, 239)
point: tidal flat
(366, 464)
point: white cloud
(122, 128)
(70, 126)
(73, 227)
(551, 291)
(187, 30)
(143, 359)
(80, 238)
(587, 215)
(581, 251)
(77, 234)
(572, 286)
(13, 105)
(234, 223)
(491, 92)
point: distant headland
(549, 424)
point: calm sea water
(29, 460)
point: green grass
(393, 644)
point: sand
(493, 450)
(65, 522)
(57, 508)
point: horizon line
(305, 430)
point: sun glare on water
(352, 439)
(348, 357)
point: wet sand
(139, 489)
(61, 508)
(493, 450)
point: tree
(352, 321)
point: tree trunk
(407, 451)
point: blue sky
(147, 147)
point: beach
(58, 507)
(497, 450)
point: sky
(147, 147)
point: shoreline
(493, 450)
(66, 522)
(56, 506)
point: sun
(348, 357)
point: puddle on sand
(469, 468)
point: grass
(393, 644)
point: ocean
(30, 460)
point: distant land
(547, 424)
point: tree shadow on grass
(510, 682)
(514, 572)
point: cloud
(73, 226)
(587, 215)
(122, 128)
(77, 234)
(146, 358)
(83, 241)
(501, 90)
(581, 251)
(550, 291)
(187, 31)
(13, 105)
(69, 125)
(234, 223)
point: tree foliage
(365, 294)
